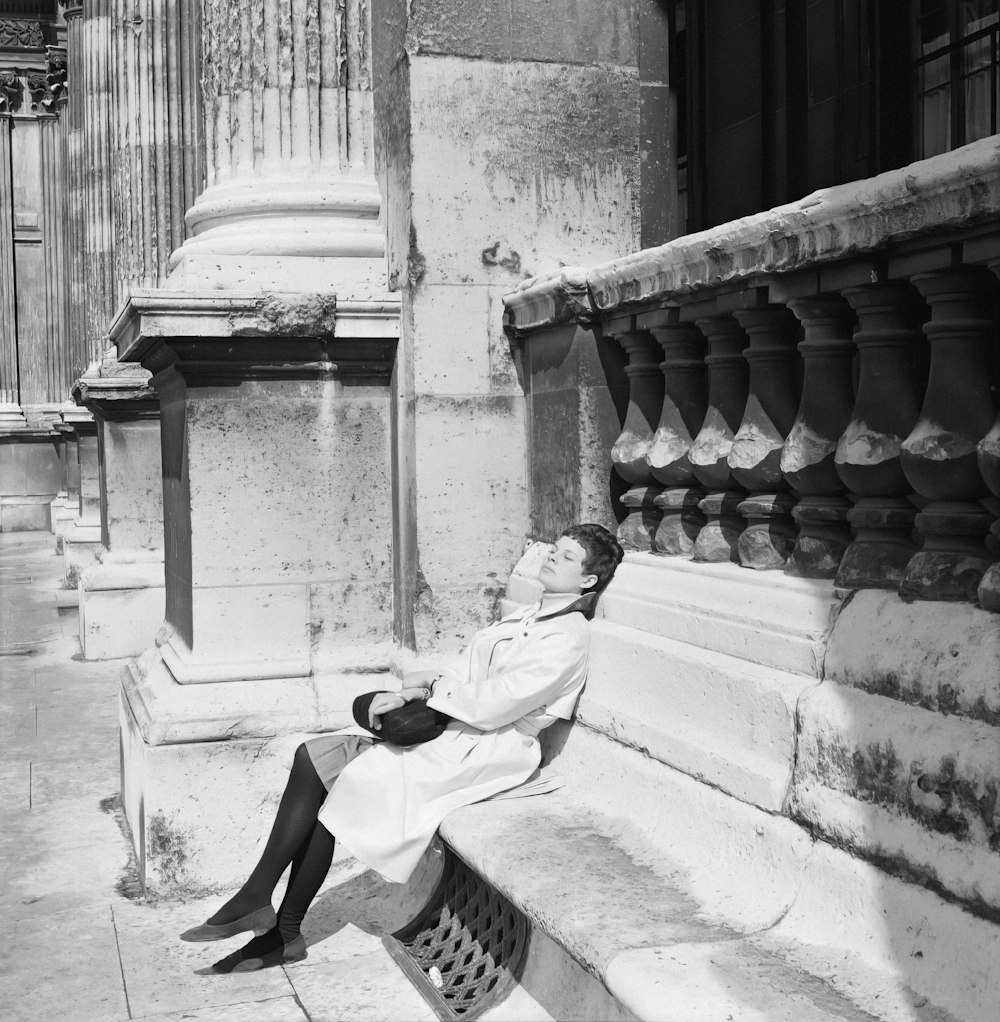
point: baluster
(939, 455)
(988, 456)
(807, 458)
(867, 457)
(755, 458)
(727, 396)
(682, 416)
(645, 401)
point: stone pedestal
(277, 499)
(122, 596)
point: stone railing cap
(954, 190)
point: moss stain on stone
(166, 849)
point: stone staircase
(745, 833)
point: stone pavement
(81, 943)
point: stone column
(727, 398)
(291, 200)
(630, 451)
(807, 458)
(122, 595)
(867, 457)
(939, 455)
(157, 160)
(755, 458)
(11, 416)
(681, 418)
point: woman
(517, 677)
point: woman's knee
(302, 758)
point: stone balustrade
(826, 403)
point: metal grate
(464, 951)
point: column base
(882, 547)
(81, 545)
(638, 529)
(953, 560)
(681, 522)
(719, 537)
(121, 607)
(824, 536)
(769, 537)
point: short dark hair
(603, 552)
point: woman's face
(563, 570)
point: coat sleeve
(540, 672)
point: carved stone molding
(11, 92)
(16, 34)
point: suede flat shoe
(293, 951)
(260, 921)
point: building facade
(314, 313)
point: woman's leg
(291, 831)
(283, 943)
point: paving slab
(159, 969)
(62, 966)
(357, 981)
(272, 1009)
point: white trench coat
(516, 677)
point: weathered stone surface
(550, 183)
(779, 622)
(952, 190)
(907, 788)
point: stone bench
(670, 867)
(711, 909)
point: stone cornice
(243, 335)
(955, 190)
(548, 300)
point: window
(955, 72)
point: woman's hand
(383, 703)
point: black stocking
(290, 834)
(308, 873)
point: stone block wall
(507, 141)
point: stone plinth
(82, 537)
(29, 478)
(122, 596)
(277, 497)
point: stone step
(727, 721)
(708, 907)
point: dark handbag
(410, 724)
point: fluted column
(807, 458)
(682, 415)
(755, 458)
(629, 455)
(289, 148)
(727, 397)
(9, 392)
(868, 452)
(939, 456)
(157, 163)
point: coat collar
(569, 604)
